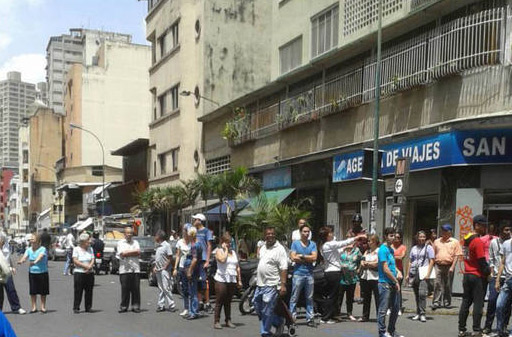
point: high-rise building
(15, 98)
(42, 92)
(79, 46)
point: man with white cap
(204, 238)
(447, 252)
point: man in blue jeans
(271, 282)
(505, 291)
(10, 289)
(304, 254)
(389, 286)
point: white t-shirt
(273, 260)
(128, 264)
(296, 235)
(84, 256)
(226, 272)
(331, 252)
(371, 274)
(184, 250)
(69, 241)
(506, 252)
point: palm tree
(205, 187)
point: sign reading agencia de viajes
(456, 148)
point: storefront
(454, 176)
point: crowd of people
(360, 263)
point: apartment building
(203, 54)
(5, 181)
(445, 105)
(110, 100)
(15, 98)
(13, 207)
(79, 46)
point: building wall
(5, 181)
(23, 186)
(73, 109)
(226, 57)
(107, 97)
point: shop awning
(81, 225)
(219, 213)
(277, 196)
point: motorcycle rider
(304, 254)
(97, 247)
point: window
(162, 158)
(174, 155)
(218, 165)
(169, 40)
(162, 103)
(290, 55)
(175, 97)
(324, 31)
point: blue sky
(26, 25)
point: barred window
(218, 165)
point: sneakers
(217, 326)
(352, 318)
(172, 309)
(393, 335)
(208, 308)
(423, 319)
(415, 318)
(160, 309)
(311, 323)
(21, 311)
(327, 322)
(184, 313)
(388, 312)
(229, 324)
(399, 312)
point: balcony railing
(469, 42)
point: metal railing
(469, 42)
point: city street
(107, 322)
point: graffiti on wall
(464, 219)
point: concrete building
(13, 208)
(23, 183)
(5, 181)
(204, 53)
(44, 148)
(79, 46)
(109, 99)
(15, 98)
(446, 106)
(42, 92)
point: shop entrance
(423, 215)
(496, 209)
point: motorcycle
(246, 307)
(100, 264)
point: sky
(26, 26)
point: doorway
(422, 215)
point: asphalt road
(105, 321)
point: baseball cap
(481, 219)
(199, 216)
(447, 227)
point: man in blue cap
(447, 252)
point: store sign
(473, 147)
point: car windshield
(145, 242)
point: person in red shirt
(476, 272)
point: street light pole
(74, 126)
(197, 96)
(376, 116)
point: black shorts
(39, 284)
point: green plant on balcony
(237, 126)
(229, 132)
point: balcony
(469, 42)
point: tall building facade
(5, 181)
(15, 98)
(204, 53)
(445, 107)
(79, 46)
(109, 99)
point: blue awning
(218, 213)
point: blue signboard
(446, 149)
(278, 178)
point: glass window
(324, 31)
(291, 55)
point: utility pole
(376, 116)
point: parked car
(57, 251)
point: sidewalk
(410, 304)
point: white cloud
(5, 40)
(31, 67)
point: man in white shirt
(271, 276)
(296, 233)
(128, 252)
(69, 244)
(163, 257)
